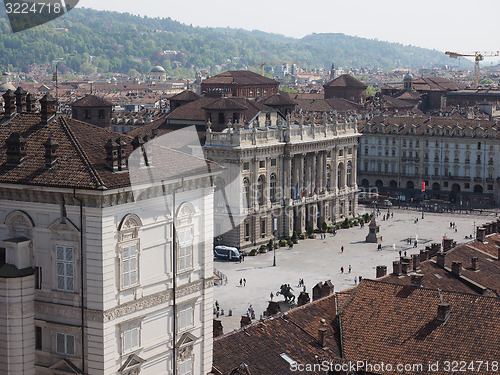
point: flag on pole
(423, 186)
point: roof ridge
(81, 152)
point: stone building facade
(288, 177)
(458, 159)
(94, 110)
(103, 270)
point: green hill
(119, 42)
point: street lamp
(423, 190)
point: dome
(408, 76)
(158, 69)
(6, 86)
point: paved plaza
(316, 260)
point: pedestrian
(405, 252)
(360, 278)
(416, 243)
(342, 249)
(349, 268)
(400, 253)
(241, 258)
(245, 281)
(304, 287)
(342, 269)
(241, 282)
(355, 280)
(392, 215)
(271, 295)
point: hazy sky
(458, 25)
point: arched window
(272, 188)
(128, 250)
(260, 190)
(349, 174)
(246, 193)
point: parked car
(226, 252)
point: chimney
(9, 99)
(20, 99)
(435, 248)
(416, 280)
(441, 259)
(456, 268)
(481, 234)
(396, 268)
(327, 288)
(443, 312)
(16, 150)
(322, 334)
(30, 103)
(416, 261)
(381, 271)
(303, 299)
(424, 255)
(137, 142)
(447, 244)
(245, 321)
(112, 155)
(122, 159)
(318, 291)
(406, 266)
(48, 108)
(474, 263)
(50, 152)
(218, 329)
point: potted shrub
(270, 245)
(263, 249)
(303, 236)
(283, 242)
(295, 237)
(253, 252)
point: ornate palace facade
(288, 176)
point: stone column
(254, 185)
(325, 163)
(335, 176)
(314, 164)
(303, 174)
(319, 172)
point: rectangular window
(65, 344)
(273, 162)
(185, 250)
(186, 367)
(131, 338)
(341, 152)
(467, 185)
(2, 256)
(38, 338)
(263, 228)
(185, 318)
(65, 268)
(247, 231)
(246, 166)
(129, 265)
(262, 164)
(101, 114)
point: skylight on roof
(288, 359)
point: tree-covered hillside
(89, 40)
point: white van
(226, 252)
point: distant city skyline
(443, 25)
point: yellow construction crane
(262, 64)
(478, 56)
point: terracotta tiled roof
(392, 324)
(186, 95)
(346, 80)
(81, 161)
(239, 77)
(294, 333)
(278, 100)
(225, 104)
(91, 101)
(435, 84)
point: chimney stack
(416, 261)
(321, 335)
(48, 108)
(303, 299)
(396, 268)
(21, 99)
(474, 263)
(122, 159)
(30, 103)
(9, 99)
(381, 271)
(443, 312)
(16, 150)
(481, 234)
(406, 266)
(50, 152)
(245, 321)
(456, 268)
(447, 244)
(112, 155)
(218, 329)
(441, 259)
(416, 280)
(424, 255)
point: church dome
(408, 76)
(6, 86)
(158, 69)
